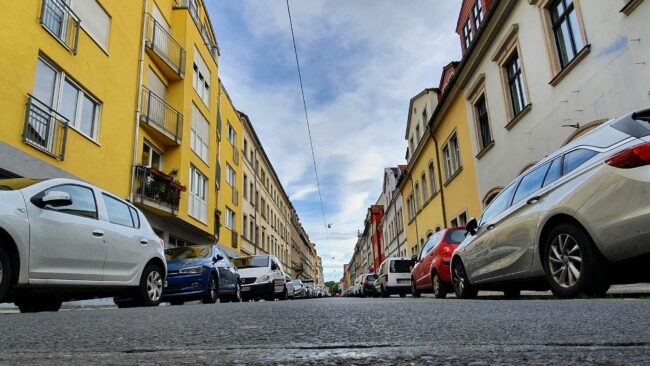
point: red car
(431, 272)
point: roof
(408, 119)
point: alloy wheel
(213, 287)
(1, 273)
(154, 286)
(565, 260)
(459, 277)
(238, 293)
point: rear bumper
(399, 289)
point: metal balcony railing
(155, 111)
(193, 8)
(156, 189)
(60, 21)
(165, 46)
(45, 129)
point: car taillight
(631, 158)
(447, 249)
(162, 243)
(365, 282)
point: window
(477, 14)
(56, 90)
(417, 196)
(515, 81)
(432, 179)
(245, 186)
(200, 135)
(230, 175)
(251, 197)
(424, 117)
(425, 194)
(83, 201)
(230, 219)
(232, 135)
(483, 123)
(118, 212)
(566, 31)
(498, 205)
(197, 205)
(94, 21)
(151, 157)
(530, 183)
(575, 158)
(467, 34)
(554, 172)
(417, 134)
(451, 154)
(245, 148)
(178, 242)
(201, 78)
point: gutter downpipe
(442, 191)
(417, 234)
(139, 99)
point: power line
(311, 143)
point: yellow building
(119, 95)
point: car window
(530, 183)
(575, 158)
(135, 217)
(554, 172)
(401, 266)
(455, 236)
(83, 201)
(118, 212)
(498, 205)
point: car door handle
(491, 227)
(533, 200)
(144, 241)
(98, 233)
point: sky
(361, 62)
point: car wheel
(462, 287)
(211, 296)
(414, 290)
(237, 296)
(176, 303)
(439, 289)
(573, 267)
(271, 295)
(401, 294)
(512, 294)
(285, 294)
(383, 291)
(151, 286)
(5, 274)
(37, 305)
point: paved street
(338, 331)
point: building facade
(393, 220)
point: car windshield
(18, 183)
(296, 282)
(400, 266)
(251, 262)
(192, 252)
(455, 236)
(370, 278)
(310, 285)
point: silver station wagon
(62, 239)
(576, 222)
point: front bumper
(185, 286)
(257, 290)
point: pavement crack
(595, 344)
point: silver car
(62, 239)
(571, 222)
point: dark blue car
(200, 272)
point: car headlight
(265, 278)
(191, 270)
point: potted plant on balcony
(175, 182)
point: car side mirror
(414, 258)
(53, 198)
(472, 226)
(274, 267)
(217, 258)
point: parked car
(367, 285)
(289, 285)
(262, 277)
(431, 272)
(299, 290)
(200, 272)
(572, 222)
(311, 288)
(64, 239)
(319, 292)
(357, 285)
(394, 277)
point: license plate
(244, 289)
(403, 281)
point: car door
(224, 268)
(127, 243)
(481, 258)
(422, 279)
(67, 241)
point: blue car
(200, 272)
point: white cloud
(359, 130)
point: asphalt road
(338, 331)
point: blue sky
(362, 61)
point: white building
(393, 220)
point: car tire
(512, 294)
(384, 293)
(36, 305)
(151, 286)
(401, 294)
(439, 288)
(462, 287)
(212, 295)
(568, 250)
(237, 296)
(5, 274)
(271, 295)
(285, 294)
(414, 290)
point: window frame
(42, 193)
(149, 145)
(129, 208)
(197, 138)
(202, 197)
(452, 156)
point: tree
(333, 287)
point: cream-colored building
(301, 265)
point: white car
(394, 276)
(62, 239)
(261, 277)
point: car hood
(176, 264)
(254, 271)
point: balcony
(156, 191)
(163, 48)
(161, 118)
(193, 8)
(45, 129)
(61, 22)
